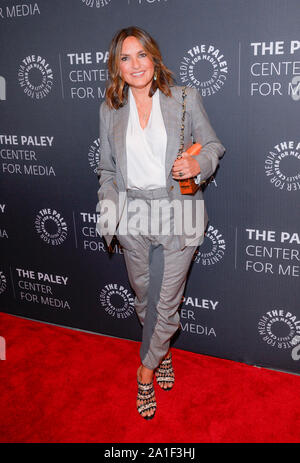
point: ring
(180, 174)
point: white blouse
(146, 148)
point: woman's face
(136, 66)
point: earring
(155, 76)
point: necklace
(145, 116)
(144, 113)
(144, 109)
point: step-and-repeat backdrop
(242, 298)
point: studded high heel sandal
(165, 373)
(146, 394)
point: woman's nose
(135, 63)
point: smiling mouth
(138, 74)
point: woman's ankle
(145, 374)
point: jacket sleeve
(212, 149)
(106, 168)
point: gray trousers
(157, 271)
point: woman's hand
(187, 166)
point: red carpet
(62, 385)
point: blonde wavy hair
(117, 89)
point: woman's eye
(143, 55)
(124, 58)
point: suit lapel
(121, 117)
(170, 110)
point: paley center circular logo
(278, 328)
(2, 282)
(96, 3)
(94, 155)
(205, 68)
(35, 76)
(117, 300)
(282, 166)
(213, 248)
(51, 226)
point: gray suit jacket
(113, 165)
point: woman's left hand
(187, 166)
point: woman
(139, 171)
